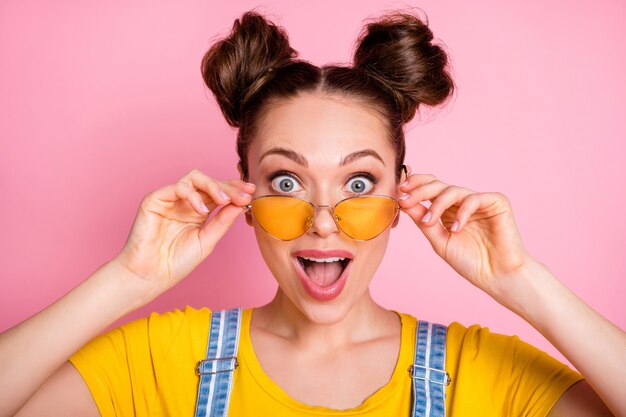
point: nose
(324, 224)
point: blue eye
(285, 183)
(360, 184)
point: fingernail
(455, 226)
(245, 194)
(404, 184)
(204, 208)
(404, 196)
(249, 183)
(426, 217)
(224, 196)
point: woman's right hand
(171, 235)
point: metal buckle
(199, 365)
(446, 375)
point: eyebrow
(360, 154)
(288, 153)
(301, 160)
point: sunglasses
(360, 217)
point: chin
(321, 281)
(326, 314)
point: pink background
(102, 102)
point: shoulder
(498, 374)
(476, 337)
(477, 346)
(156, 333)
(477, 341)
(174, 319)
(187, 326)
(502, 372)
(475, 349)
(142, 357)
(165, 324)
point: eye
(361, 183)
(284, 183)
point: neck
(364, 321)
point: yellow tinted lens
(283, 217)
(366, 217)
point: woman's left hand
(485, 248)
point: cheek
(372, 255)
(274, 252)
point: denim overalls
(216, 371)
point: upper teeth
(323, 259)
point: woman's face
(323, 149)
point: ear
(240, 170)
(247, 213)
(407, 171)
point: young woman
(323, 182)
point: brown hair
(396, 68)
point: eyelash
(279, 173)
(365, 174)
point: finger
(221, 192)
(436, 234)
(483, 206)
(415, 180)
(193, 197)
(470, 204)
(179, 191)
(427, 191)
(242, 185)
(199, 177)
(218, 225)
(236, 189)
(212, 189)
(451, 196)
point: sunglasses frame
(332, 210)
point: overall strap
(428, 370)
(216, 371)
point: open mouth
(323, 271)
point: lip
(318, 292)
(319, 253)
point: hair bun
(236, 67)
(397, 50)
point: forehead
(322, 128)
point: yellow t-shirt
(147, 368)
